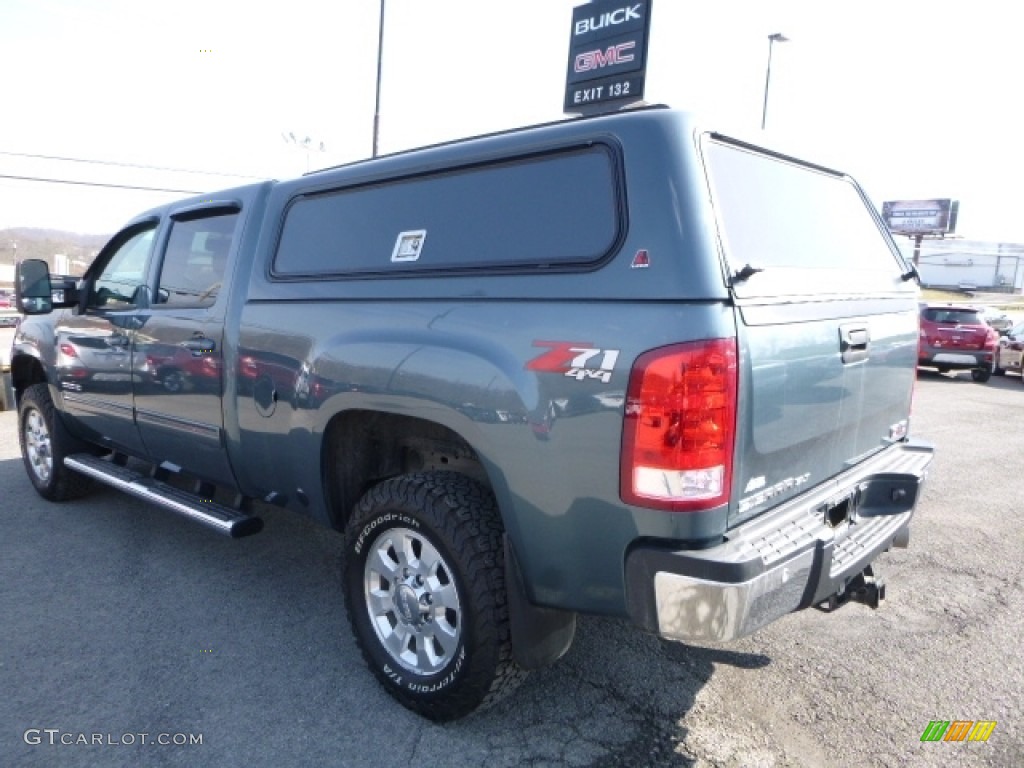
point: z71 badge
(576, 359)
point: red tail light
(68, 350)
(680, 427)
(247, 367)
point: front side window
(122, 282)
(192, 273)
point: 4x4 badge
(575, 359)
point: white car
(8, 323)
(1010, 352)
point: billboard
(920, 217)
(607, 55)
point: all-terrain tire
(44, 444)
(424, 583)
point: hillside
(35, 243)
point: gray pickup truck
(618, 365)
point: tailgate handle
(853, 343)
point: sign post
(607, 56)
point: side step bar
(219, 517)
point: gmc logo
(612, 18)
(615, 54)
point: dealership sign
(920, 217)
(607, 55)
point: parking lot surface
(128, 634)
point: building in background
(968, 264)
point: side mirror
(33, 292)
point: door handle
(199, 345)
(853, 343)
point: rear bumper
(955, 359)
(783, 561)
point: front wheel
(425, 593)
(44, 444)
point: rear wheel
(44, 444)
(981, 375)
(425, 593)
(174, 381)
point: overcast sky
(915, 99)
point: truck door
(93, 355)
(179, 352)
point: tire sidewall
(29, 403)
(407, 685)
(63, 484)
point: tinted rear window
(949, 315)
(776, 213)
(555, 209)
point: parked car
(6, 338)
(956, 337)
(176, 368)
(1010, 352)
(9, 318)
(103, 360)
(997, 319)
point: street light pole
(380, 56)
(778, 37)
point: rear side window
(555, 209)
(776, 214)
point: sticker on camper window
(408, 245)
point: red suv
(956, 337)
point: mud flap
(540, 636)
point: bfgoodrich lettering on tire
(425, 593)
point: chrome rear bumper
(795, 556)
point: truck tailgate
(823, 394)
